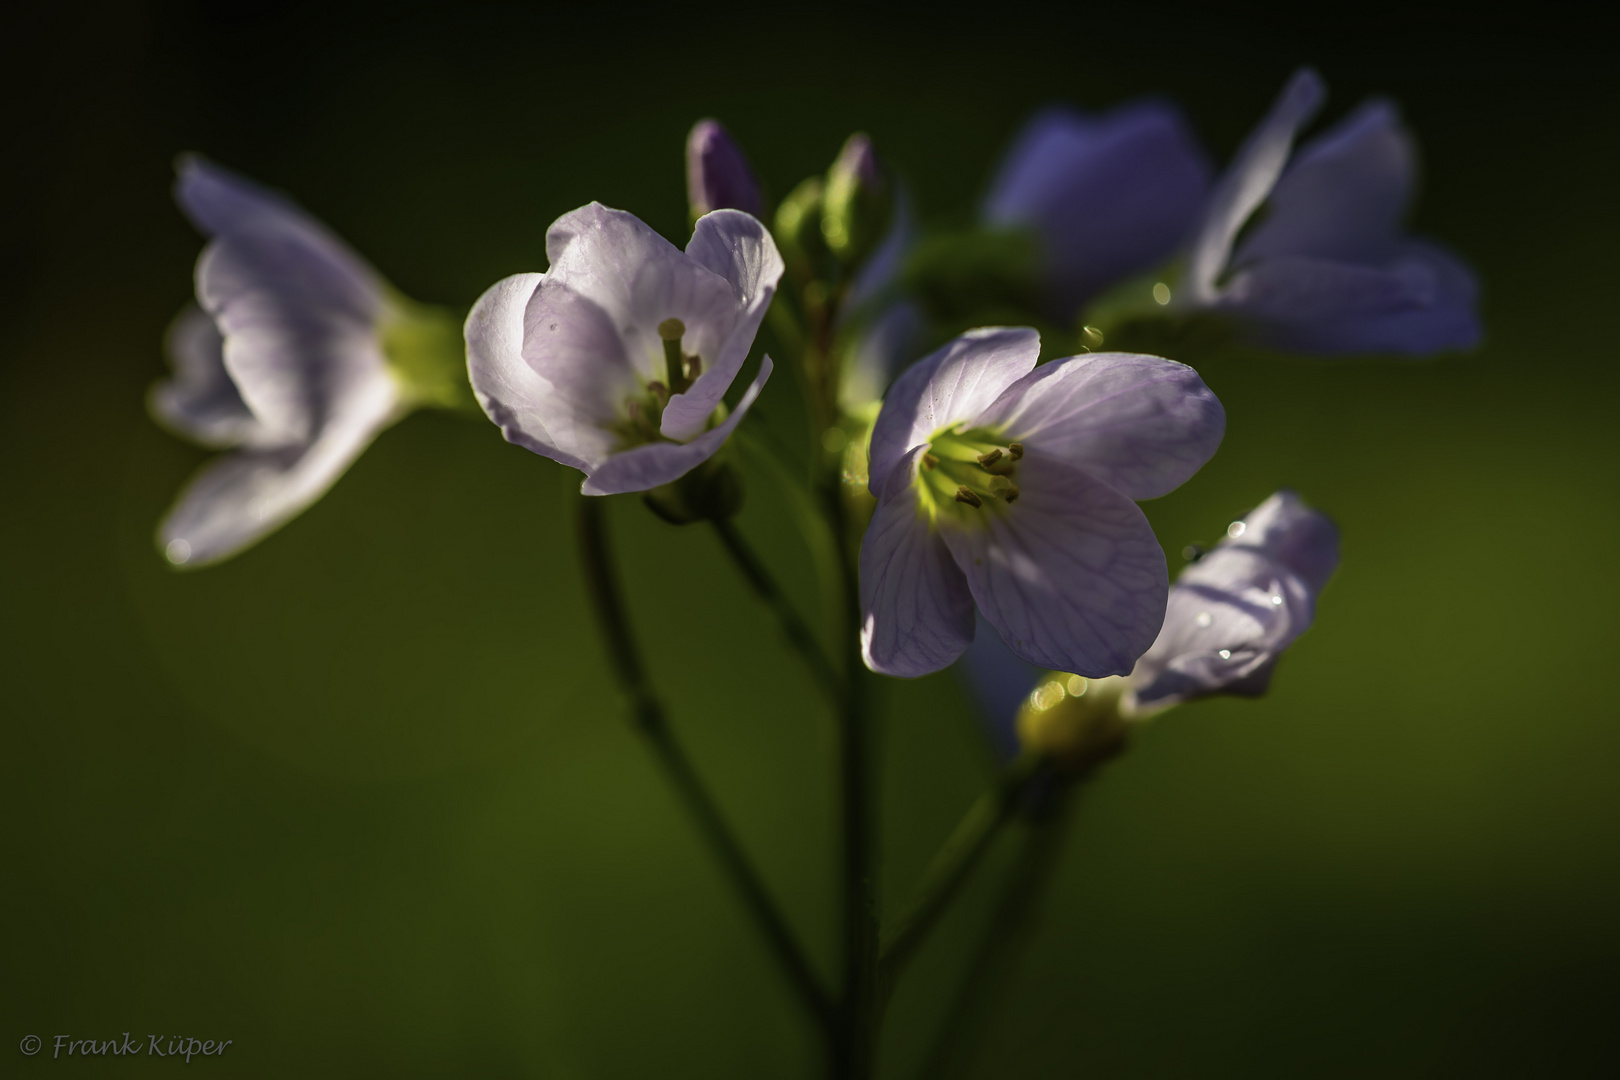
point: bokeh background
(363, 799)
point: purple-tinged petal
(916, 612)
(951, 386)
(717, 173)
(1420, 302)
(645, 467)
(639, 279)
(1000, 682)
(1140, 424)
(1109, 196)
(520, 401)
(740, 250)
(200, 401)
(247, 494)
(572, 344)
(1070, 575)
(1283, 528)
(223, 204)
(1248, 181)
(1343, 195)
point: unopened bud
(717, 173)
(798, 228)
(858, 202)
(1073, 720)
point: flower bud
(798, 228)
(1073, 721)
(717, 173)
(858, 202)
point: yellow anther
(990, 458)
(968, 495)
(1015, 451)
(930, 461)
(1000, 485)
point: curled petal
(1249, 180)
(1109, 196)
(740, 250)
(581, 360)
(1140, 424)
(916, 611)
(1070, 575)
(200, 401)
(646, 467)
(1344, 193)
(520, 401)
(247, 494)
(1420, 302)
(953, 385)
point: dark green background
(363, 801)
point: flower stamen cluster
(970, 468)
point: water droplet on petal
(1204, 618)
(178, 551)
(1235, 529)
(1276, 600)
(1226, 654)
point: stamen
(990, 458)
(930, 461)
(1015, 451)
(659, 391)
(694, 367)
(967, 495)
(1000, 485)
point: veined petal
(1283, 528)
(1420, 302)
(953, 385)
(1070, 575)
(740, 250)
(1140, 424)
(222, 204)
(916, 611)
(1248, 181)
(1343, 195)
(247, 494)
(516, 397)
(1109, 196)
(199, 401)
(580, 356)
(639, 279)
(646, 467)
(295, 324)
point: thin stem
(973, 1011)
(653, 725)
(951, 868)
(798, 632)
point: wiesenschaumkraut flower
(717, 173)
(1233, 612)
(298, 355)
(1327, 270)
(1010, 487)
(1106, 196)
(615, 360)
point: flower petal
(645, 467)
(1304, 540)
(247, 494)
(1248, 181)
(1343, 195)
(739, 249)
(519, 400)
(583, 371)
(1109, 196)
(916, 612)
(1070, 575)
(200, 401)
(952, 385)
(639, 279)
(1421, 302)
(1140, 424)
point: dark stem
(798, 632)
(653, 725)
(951, 868)
(974, 1009)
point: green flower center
(967, 474)
(644, 412)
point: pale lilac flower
(283, 362)
(1010, 487)
(1328, 270)
(1107, 196)
(717, 173)
(1232, 613)
(615, 360)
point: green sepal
(427, 355)
(709, 492)
(798, 231)
(856, 209)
